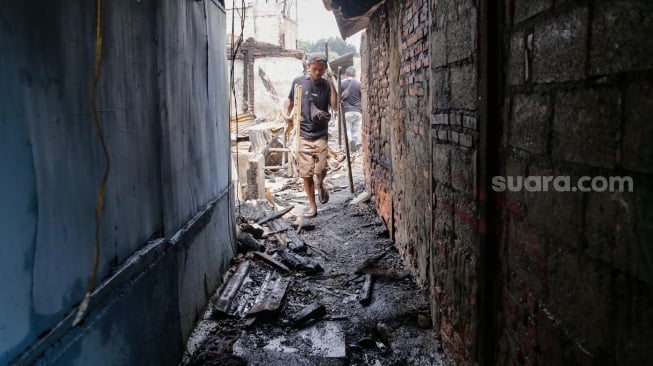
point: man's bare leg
(309, 188)
(320, 183)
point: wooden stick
(366, 293)
(326, 256)
(274, 215)
(272, 261)
(343, 122)
(298, 123)
(275, 232)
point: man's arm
(287, 116)
(334, 94)
(290, 103)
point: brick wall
(375, 87)
(574, 278)
(420, 131)
(454, 132)
(576, 285)
(397, 127)
(411, 137)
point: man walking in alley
(317, 96)
(351, 106)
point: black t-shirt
(321, 95)
(353, 102)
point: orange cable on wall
(83, 307)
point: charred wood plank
(231, 289)
(254, 229)
(366, 293)
(290, 238)
(247, 243)
(312, 311)
(275, 232)
(272, 261)
(274, 215)
(300, 263)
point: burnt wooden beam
(274, 215)
(247, 242)
(312, 311)
(300, 263)
(290, 238)
(272, 261)
(366, 293)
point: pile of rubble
(326, 291)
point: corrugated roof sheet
(352, 16)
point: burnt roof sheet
(352, 16)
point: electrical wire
(83, 307)
(234, 52)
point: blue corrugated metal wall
(162, 102)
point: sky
(315, 22)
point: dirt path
(351, 244)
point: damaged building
(459, 96)
(459, 92)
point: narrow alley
(502, 184)
(366, 307)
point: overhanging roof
(352, 16)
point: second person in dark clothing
(351, 106)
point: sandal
(310, 214)
(324, 196)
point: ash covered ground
(346, 249)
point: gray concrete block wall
(573, 288)
(592, 138)
(560, 47)
(621, 39)
(636, 147)
(530, 116)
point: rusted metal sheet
(273, 300)
(352, 16)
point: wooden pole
(298, 124)
(343, 123)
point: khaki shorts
(313, 155)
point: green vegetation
(337, 47)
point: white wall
(238, 87)
(281, 71)
(265, 23)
